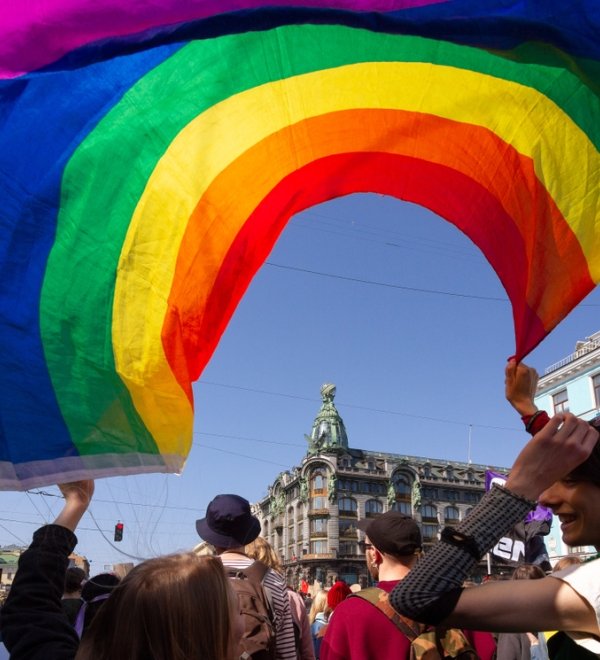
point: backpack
(258, 640)
(426, 642)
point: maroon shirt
(357, 630)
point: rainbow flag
(152, 152)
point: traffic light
(119, 531)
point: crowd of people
(230, 599)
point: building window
(318, 526)
(348, 528)
(319, 503)
(348, 548)
(449, 472)
(561, 402)
(318, 547)
(347, 505)
(429, 532)
(318, 483)
(373, 507)
(596, 383)
(402, 507)
(451, 514)
(428, 512)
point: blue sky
(416, 372)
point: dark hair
(99, 585)
(528, 572)
(589, 470)
(73, 579)
(178, 607)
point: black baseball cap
(392, 533)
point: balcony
(584, 348)
(316, 535)
(348, 514)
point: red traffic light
(119, 531)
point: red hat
(337, 594)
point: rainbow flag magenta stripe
(152, 153)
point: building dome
(328, 431)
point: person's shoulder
(276, 578)
(351, 607)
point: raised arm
(520, 384)
(78, 495)
(34, 626)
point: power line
(387, 284)
(351, 405)
(253, 458)
(241, 437)
(176, 508)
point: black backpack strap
(380, 599)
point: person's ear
(378, 556)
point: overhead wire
(387, 285)
(351, 405)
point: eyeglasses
(365, 546)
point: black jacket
(34, 625)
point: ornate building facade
(310, 513)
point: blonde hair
(262, 550)
(319, 604)
(179, 607)
(205, 549)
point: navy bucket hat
(229, 523)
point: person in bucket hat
(229, 522)
(229, 526)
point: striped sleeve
(284, 627)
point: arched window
(318, 490)
(402, 484)
(347, 505)
(373, 507)
(428, 512)
(451, 514)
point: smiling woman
(558, 468)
